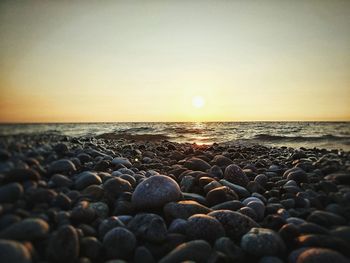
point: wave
(136, 137)
(327, 137)
(136, 129)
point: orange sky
(88, 61)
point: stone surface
(234, 174)
(119, 243)
(62, 166)
(262, 242)
(27, 229)
(204, 227)
(184, 209)
(64, 245)
(234, 223)
(155, 192)
(195, 251)
(14, 252)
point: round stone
(184, 209)
(234, 174)
(234, 223)
(27, 229)
(318, 255)
(116, 186)
(119, 243)
(147, 226)
(262, 242)
(195, 251)
(204, 227)
(197, 164)
(10, 193)
(14, 252)
(86, 179)
(155, 192)
(62, 166)
(64, 245)
(122, 161)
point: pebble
(226, 246)
(122, 161)
(326, 219)
(235, 174)
(262, 242)
(108, 224)
(204, 227)
(91, 248)
(64, 245)
(155, 192)
(101, 209)
(14, 252)
(27, 229)
(317, 255)
(219, 195)
(10, 193)
(116, 186)
(21, 175)
(195, 251)
(258, 208)
(86, 179)
(197, 164)
(119, 242)
(64, 166)
(184, 209)
(147, 226)
(240, 190)
(234, 223)
(297, 174)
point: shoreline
(220, 199)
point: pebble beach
(111, 199)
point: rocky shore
(106, 199)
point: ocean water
(329, 135)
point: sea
(327, 135)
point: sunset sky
(87, 61)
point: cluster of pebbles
(102, 200)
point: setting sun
(198, 102)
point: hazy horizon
(174, 61)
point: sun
(198, 102)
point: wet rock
(62, 166)
(121, 161)
(143, 255)
(101, 209)
(324, 241)
(119, 242)
(221, 160)
(262, 242)
(219, 195)
(20, 175)
(64, 245)
(14, 252)
(342, 232)
(27, 229)
(258, 208)
(150, 227)
(248, 212)
(215, 171)
(233, 205)
(60, 180)
(155, 192)
(234, 223)
(326, 219)
(197, 164)
(234, 174)
(240, 190)
(108, 224)
(227, 246)
(86, 179)
(116, 186)
(204, 227)
(184, 209)
(316, 255)
(91, 247)
(297, 174)
(196, 250)
(10, 193)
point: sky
(91, 61)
